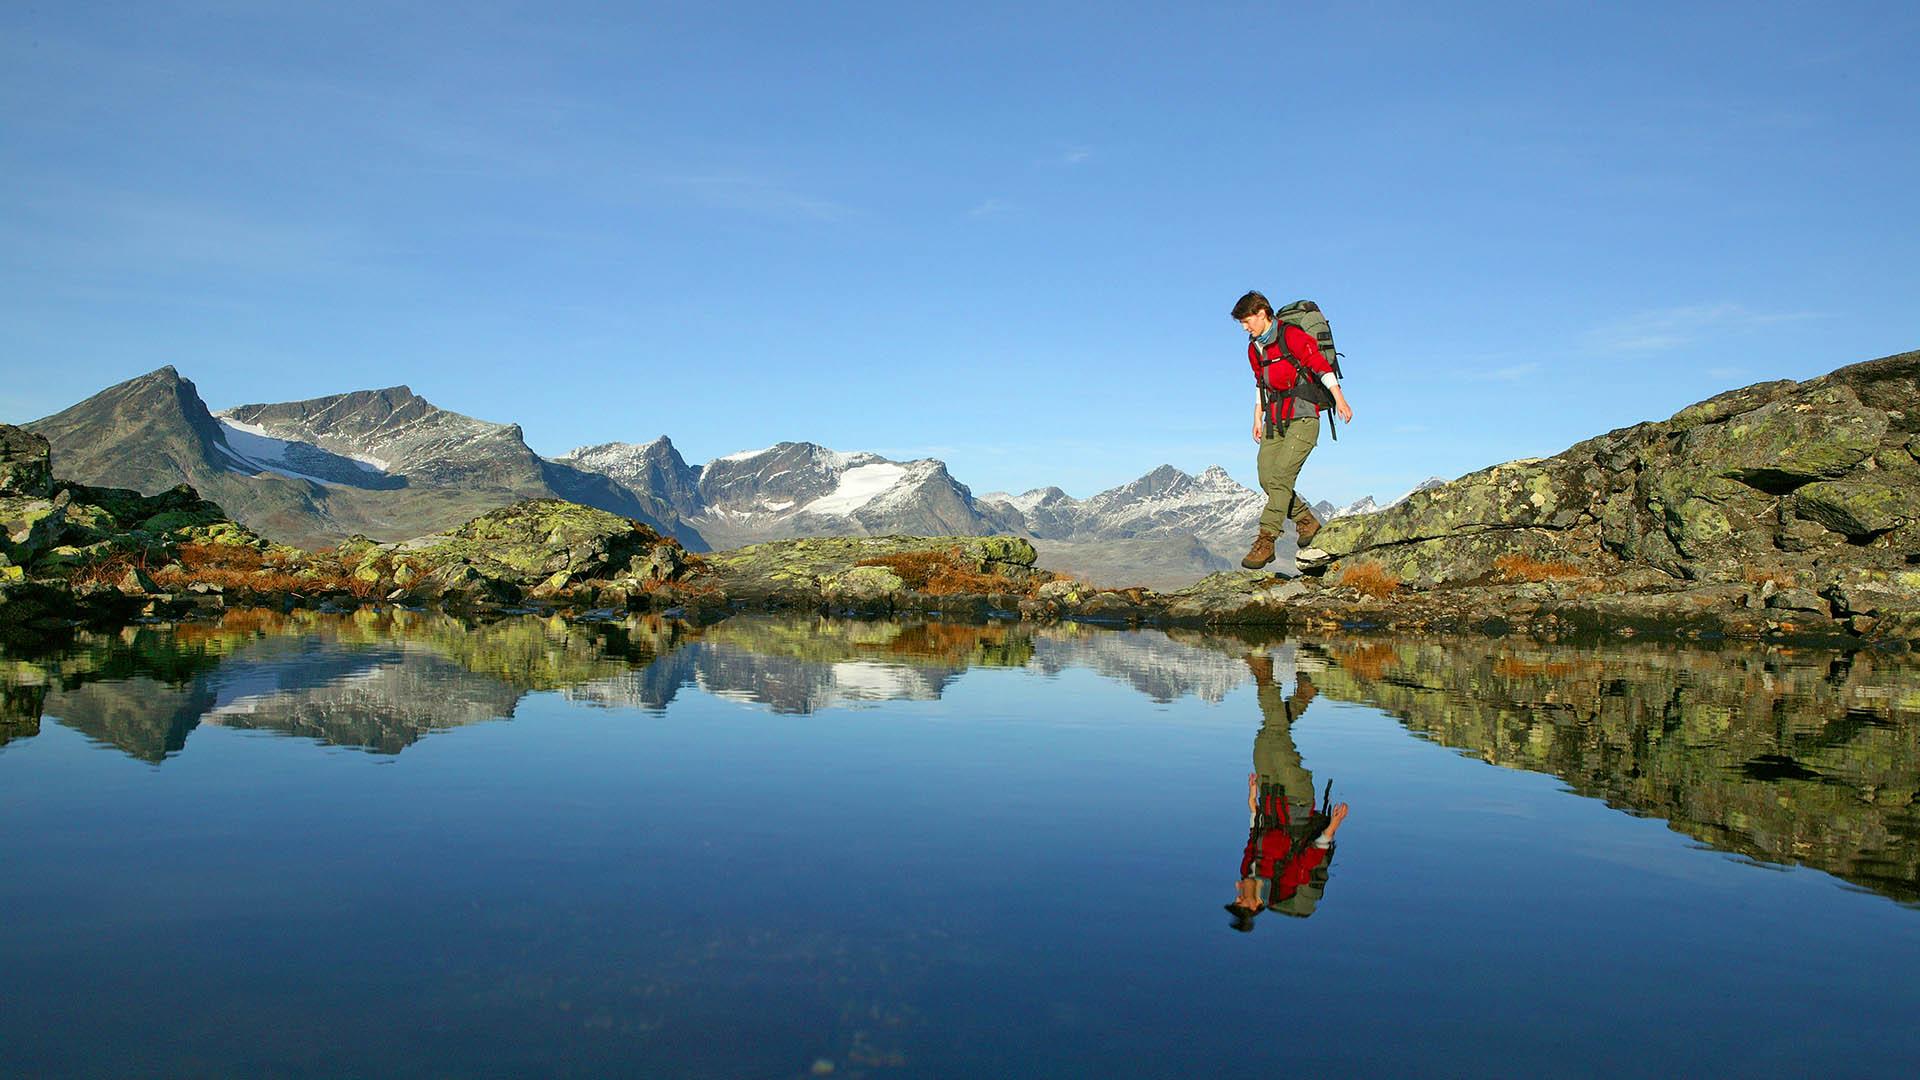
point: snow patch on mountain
(252, 450)
(858, 486)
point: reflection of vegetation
(1784, 757)
(915, 643)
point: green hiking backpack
(1307, 315)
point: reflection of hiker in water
(1289, 838)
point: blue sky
(1005, 236)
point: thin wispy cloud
(990, 208)
(757, 195)
(1671, 328)
(1075, 155)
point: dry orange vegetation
(938, 573)
(944, 640)
(1758, 577)
(238, 569)
(108, 570)
(1513, 667)
(1368, 661)
(1369, 578)
(1527, 568)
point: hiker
(1289, 839)
(1286, 421)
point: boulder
(863, 588)
(24, 466)
(1806, 436)
(1857, 507)
(539, 543)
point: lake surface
(403, 844)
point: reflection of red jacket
(1283, 366)
(1264, 848)
(1270, 842)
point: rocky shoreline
(1781, 511)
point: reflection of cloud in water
(866, 680)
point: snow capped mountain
(396, 431)
(1163, 504)
(792, 489)
(655, 468)
(1367, 505)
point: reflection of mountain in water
(141, 715)
(1784, 757)
(372, 681)
(1163, 667)
(378, 699)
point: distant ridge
(385, 463)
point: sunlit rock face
(1780, 476)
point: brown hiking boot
(1262, 551)
(1308, 525)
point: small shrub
(938, 573)
(1372, 579)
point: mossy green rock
(538, 542)
(24, 463)
(802, 572)
(1517, 494)
(864, 587)
(1706, 495)
(1858, 507)
(1810, 435)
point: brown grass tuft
(238, 569)
(1369, 578)
(1527, 568)
(1758, 576)
(938, 573)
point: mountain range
(391, 465)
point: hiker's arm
(1306, 352)
(1340, 407)
(1259, 416)
(1326, 838)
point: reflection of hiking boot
(1262, 668)
(1308, 525)
(1262, 551)
(1303, 690)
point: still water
(402, 844)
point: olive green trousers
(1282, 453)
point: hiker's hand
(1344, 411)
(1253, 791)
(1256, 430)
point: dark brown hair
(1249, 304)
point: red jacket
(1292, 350)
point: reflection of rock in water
(384, 703)
(652, 687)
(1784, 757)
(143, 716)
(1150, 661)
(20, 708)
